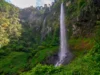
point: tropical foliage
(29, 38)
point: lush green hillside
(29, 38)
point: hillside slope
(29, 38)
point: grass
(77, 67)
(13, 63)
(43, 54)
(17, 62)
(81, 44)
(81, 65)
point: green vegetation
(10, 27)
(86, 63)
(17, 62)
(13, 63)
(26, 44)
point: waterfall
(43, 30)
(63, 39)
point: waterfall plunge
(63, 42)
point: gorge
(61, 39)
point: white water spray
(63, 42)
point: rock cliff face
(96, 2)
(81, 17)
(31, 15)
(44, 21)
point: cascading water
(43, 30)
(63, 42)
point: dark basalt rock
(68, 58)
(51, 60)
(96, 2)
(54, 58)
